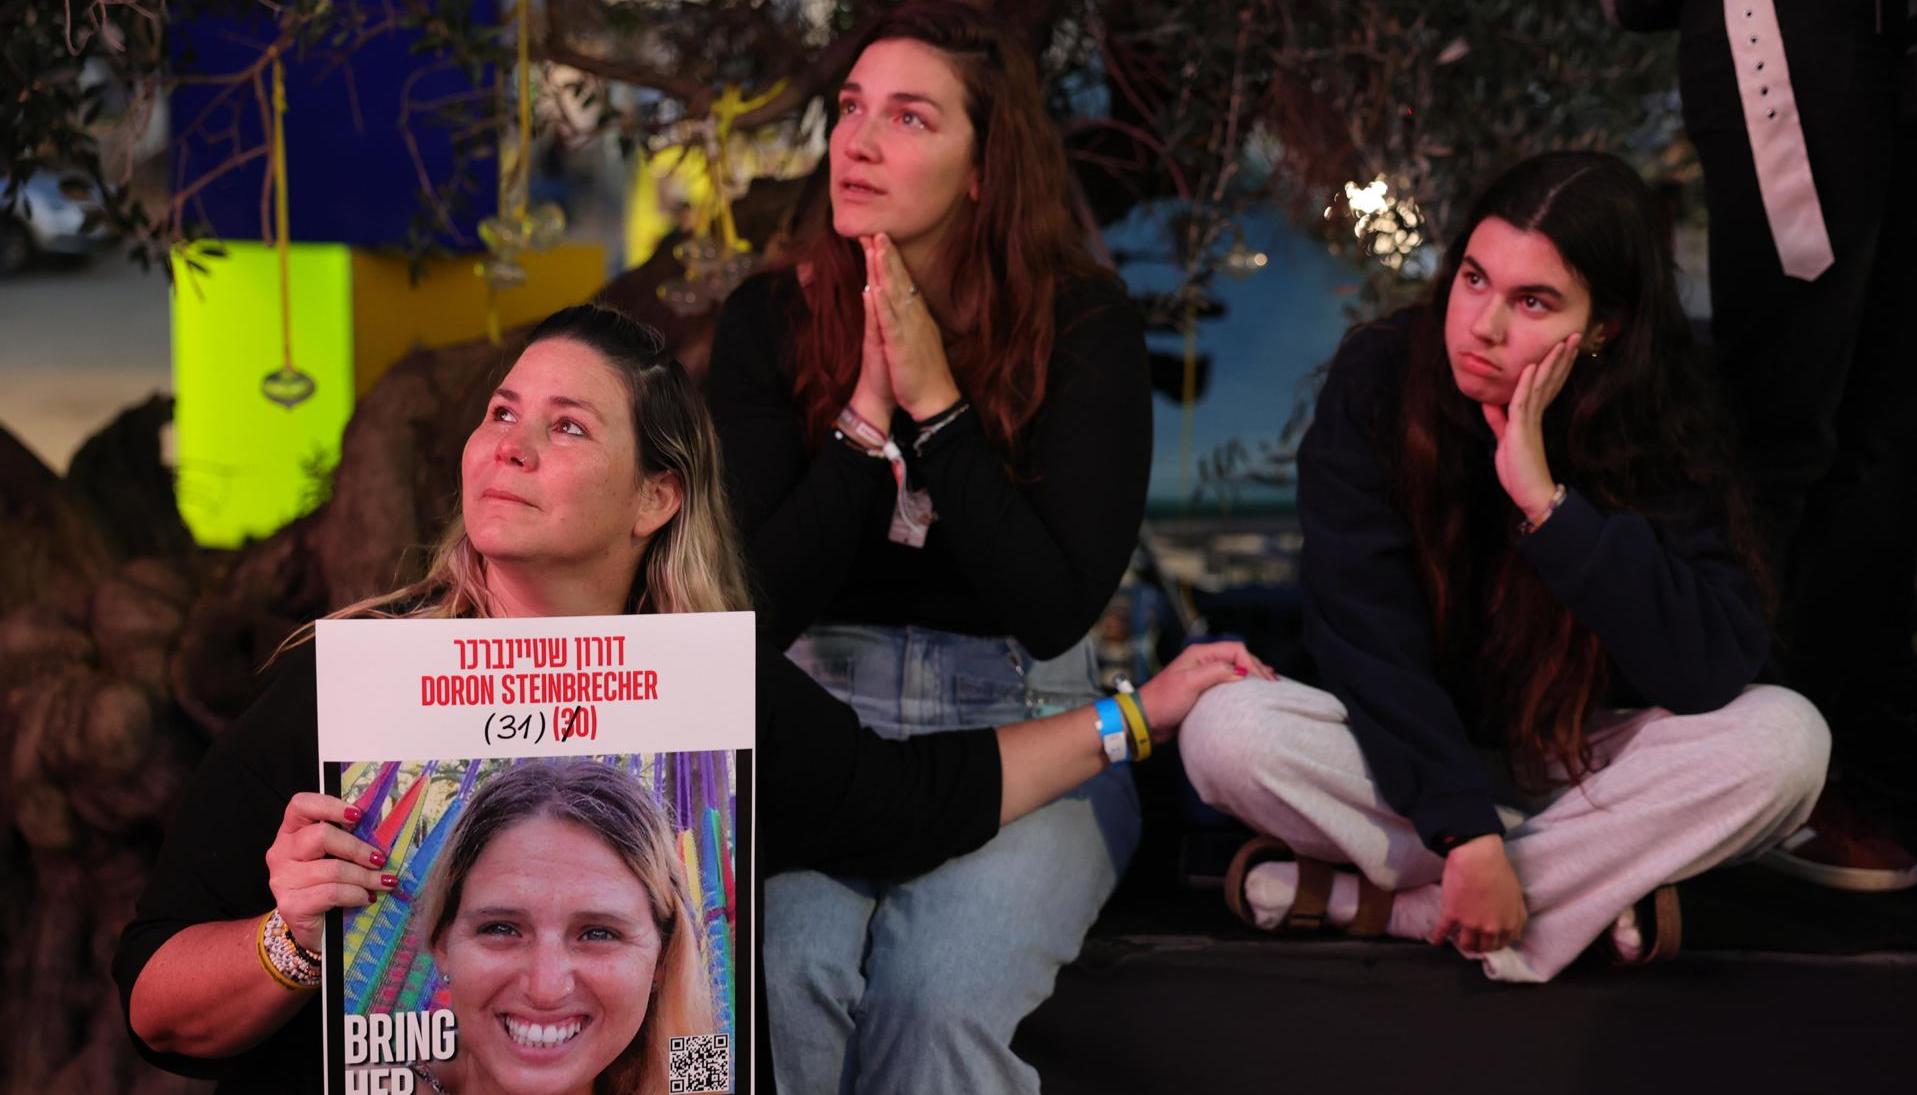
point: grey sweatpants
(1673, 797)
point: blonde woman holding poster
(590, 487)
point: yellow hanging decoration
(730, 107)
(285, 385)
(516, 229)
(713, 267)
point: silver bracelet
(1526, 527)
(930, 428)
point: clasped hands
(1523, 471)
(902, 360)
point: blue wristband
(1112, 733)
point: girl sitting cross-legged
(1521, 536)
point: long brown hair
(1636, 428)
(1013, 245)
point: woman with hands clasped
(937, 429)
(1521, 536)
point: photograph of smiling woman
(207, 968)
(533, 841)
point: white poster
(564, 810)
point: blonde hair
(638, 828)
(692, 564)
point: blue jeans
(917, 987)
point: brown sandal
(1307, 912)
(1660, 922)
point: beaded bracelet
(311, 958)
(292, 967)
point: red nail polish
(352, 814)
(389, 880)
(1240, 671)
(377, 859)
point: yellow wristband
(1135, 722)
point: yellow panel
(393, 316)
(248, 465)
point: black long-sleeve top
(1680, 619)
(1034, 553)
(831, 796)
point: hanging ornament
(286, 385)
(506, 238)
(516, 229)
(712, 271)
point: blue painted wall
(352, 179)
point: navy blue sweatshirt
(1678, 615)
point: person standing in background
(1804, 114)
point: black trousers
(1823, 374)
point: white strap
(1777, 138)
(1798, 839)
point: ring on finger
(911, 291)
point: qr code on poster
(701, 1063)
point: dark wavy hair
(1015, 244)
(1638, 428)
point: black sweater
(1680, 619)
(1036, 557)
(831, 796)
